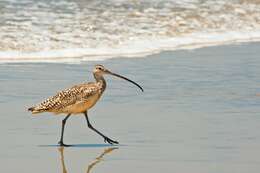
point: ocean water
(83, 30)
(199, 112)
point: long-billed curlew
(79, 99)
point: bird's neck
(100, 79)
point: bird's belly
(82, 106)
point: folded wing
(67, 98)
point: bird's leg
(106, 139)
(62, 130)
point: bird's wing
(67, 97)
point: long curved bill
(122, 77)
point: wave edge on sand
(133, 49)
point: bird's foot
(63, 145)
(110, 141)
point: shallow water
(199, 113)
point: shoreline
(57, 56)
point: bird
(78, 100)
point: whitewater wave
(139, 49)
(75, 31)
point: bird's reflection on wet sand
(90, 165)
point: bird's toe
(63, 145)
(110, 141)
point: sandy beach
(199, 113)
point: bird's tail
(34, 110)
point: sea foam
(75, 31)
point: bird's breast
(82, 106)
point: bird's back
(76, 99)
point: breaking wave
(74, 31)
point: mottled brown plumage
(75, 97)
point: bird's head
(100, 70)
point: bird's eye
(99, 68)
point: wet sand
(199, 113)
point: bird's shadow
(84, 145)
